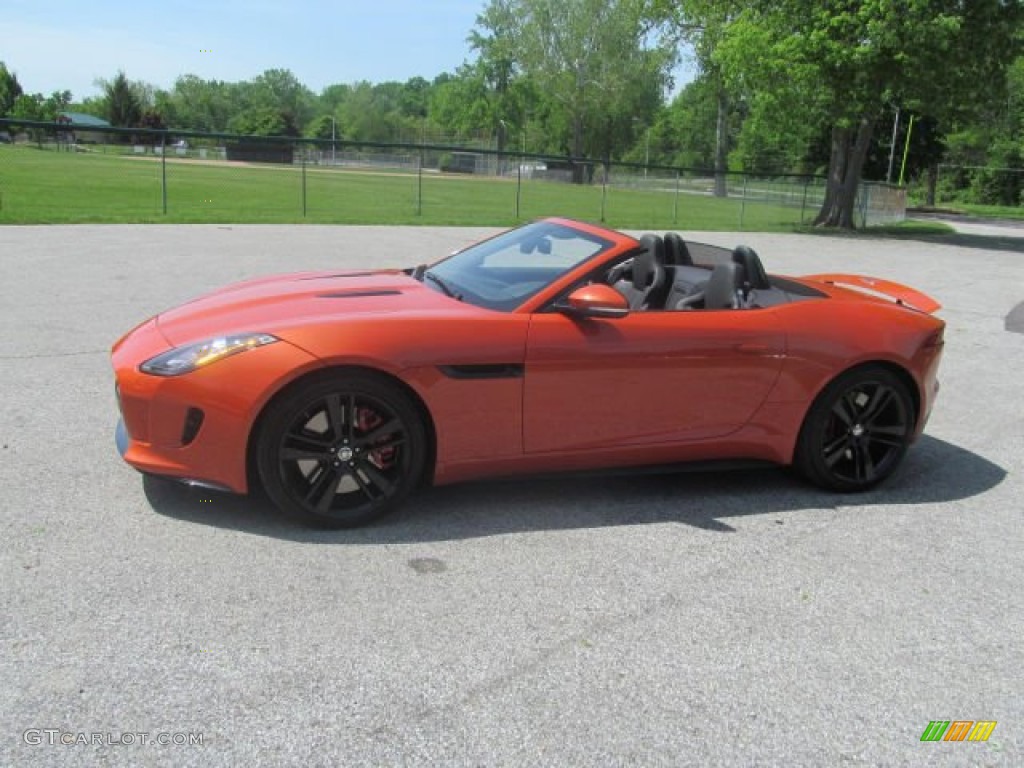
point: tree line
(780, 86)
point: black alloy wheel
(341, 452)
(857, 431)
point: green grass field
(41, 186)
(989, 211)
(47, 187)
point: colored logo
(958, 730)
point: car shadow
(963, 240)
(934, 472)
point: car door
(647, 378)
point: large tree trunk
(721, 138)
(849, 151)
(836, 170)
(933, 180)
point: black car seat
(754, 276)
(723, 287)
(676, 252)
(722, 290)
(648, 286)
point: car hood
(274, 304)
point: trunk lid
(879, 288)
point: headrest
(676, 251)
(753, 270)
(645, 263)
(721, 289)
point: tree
(368, 114)
(280, 90)
(689, 127)
(198, 105)
(37, 108)
(414, 97)
(461, 104)
(590, 57)
(323, 127)
(59, 101)
(389, 111)
(992, 144)
(124, 101)
(703, 25)
(328, 103)
(153, 120)
(333, 96)
(843, 63)
(29, 107)
(495, 69)
(262, 121)
(10, 90)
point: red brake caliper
(366, 421)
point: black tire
(342, 451)
(857, 431)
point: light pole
(892, 146)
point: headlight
(181, 360)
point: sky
(59, 44)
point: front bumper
(152, 434)
(121, 438)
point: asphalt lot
(688, 619)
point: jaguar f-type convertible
(555, 346)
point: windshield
(503, 272)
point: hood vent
(357, 294)
(340, 274)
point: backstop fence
(63, 173)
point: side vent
(483, 371)
(193, 422)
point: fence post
(604, 188)
(163, 171)
(675, 205)
(419, 185)
(803, 204)
(519, 185)
(743, 201)
(302, 151)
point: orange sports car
(555, 346)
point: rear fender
(901, 294)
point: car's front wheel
(342, 451)
(857, 431)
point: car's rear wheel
(857, 431)
(342, 451)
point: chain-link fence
(66, 173)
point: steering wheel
(618, 272)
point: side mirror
(597, 300)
